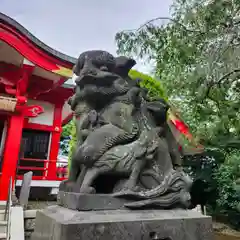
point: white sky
(75, 26)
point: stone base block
(87, 202)
(58, 223)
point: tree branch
(212, 83)
(227, 75)
(163, 18)
(237, 22)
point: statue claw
(122, 193)
(66, 186)
(126, 191)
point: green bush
(227, 177)
(154, 86)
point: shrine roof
(38, 43)
(18, 45)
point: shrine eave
(31, 48)
(46, 69)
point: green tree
(155, 88)
(67, 130)
(195, 53)
(66, 138)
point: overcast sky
(74, 26)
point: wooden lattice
(7, 104)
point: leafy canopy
(196, 54)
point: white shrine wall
(45, 118)
(66, 110)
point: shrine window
(33, 152)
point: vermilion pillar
(11, 153)
(55, 142)
(14, 133)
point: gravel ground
(40, 204)
(225, 232)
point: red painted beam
(34, 159)
(39, 178)
(55, 142)
(20, 177)
(54, 85)
(39, 88)
(40, 127)
(31, 168)
(23, 82)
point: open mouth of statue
(100, 79)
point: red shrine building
(33, 106)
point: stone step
(2, 205)
(3, 226)
(3, 236)
(2, 213)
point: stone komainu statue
(124, 145)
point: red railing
(41, 172)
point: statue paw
(66, 186)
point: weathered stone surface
(125, 144)
(57, 223)
(25, 189)
(86, 202)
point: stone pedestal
(88, 202)
(58, 223)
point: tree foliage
(155, 88)
(227, 176)
(65, 140)
(196, 55)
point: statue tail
(174, 182)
